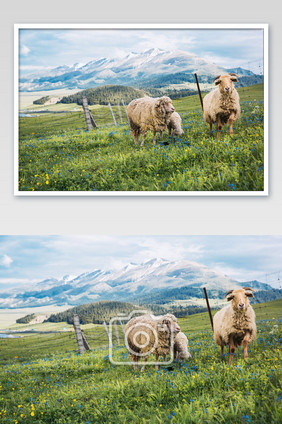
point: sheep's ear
(230, 291)
(234, 77)
(217, 80)
(158, 103)
(230, 297)
(249, 294)
(167, 322)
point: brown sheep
(149, 114)
(180, 347)
(147, 334)
(174, 124)
(234, 324)
(222, 104)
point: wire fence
(42, 123)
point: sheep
(180, 347)
(222, 104)
(234, 324)
(147, 334)
(174, 124)
(149, 114)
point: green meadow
(56, 153)
(44, 380)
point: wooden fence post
(117, 335)
(85, 342)
(92, 120)
(119, 112)
(125, 111)
(110, 106)
(199, 91)
(208, 305)
(78, 334)
(87, 113)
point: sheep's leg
(145, 360)
(246, 341)
(230, 122)
(230, 126)
(135, 363)
(164, 356)
(219, 127)
(157, 359)
(221, 350)
(210, 128)
(154, 139)
(143, 139)
(136, 137)
(231, 349)
(136, 134)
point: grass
(106, 158)
(50, 383)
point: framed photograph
(141, 109)
(140, 329)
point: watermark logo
(142, 337)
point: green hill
(45, 381)
(105, 94)
(98, 312)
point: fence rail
(44, 123)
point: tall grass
(106, 158)
(56, 387)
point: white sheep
(222, 104)
(149, 114)
(234, 324)
(180, 347)
(174, 124)
(147, 334)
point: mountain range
(131, 69)
(132, 282)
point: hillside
(105, 94)
(165, 297)
(44, 380)
(106, 159)
(98, 312)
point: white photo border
(262, 26)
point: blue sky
(41, 49)
(26, 259)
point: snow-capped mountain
(131, 69)
(131, 281)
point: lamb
(174, 124)
(180, 347)
(149, 114)
(234, 324)
(148, 334)
(222, 104)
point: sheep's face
(239, 298)
(178, 131)
(164, 106)
(184, 355)
(169, 323)
(225, 83)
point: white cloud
(5, 261)
(25, 50)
